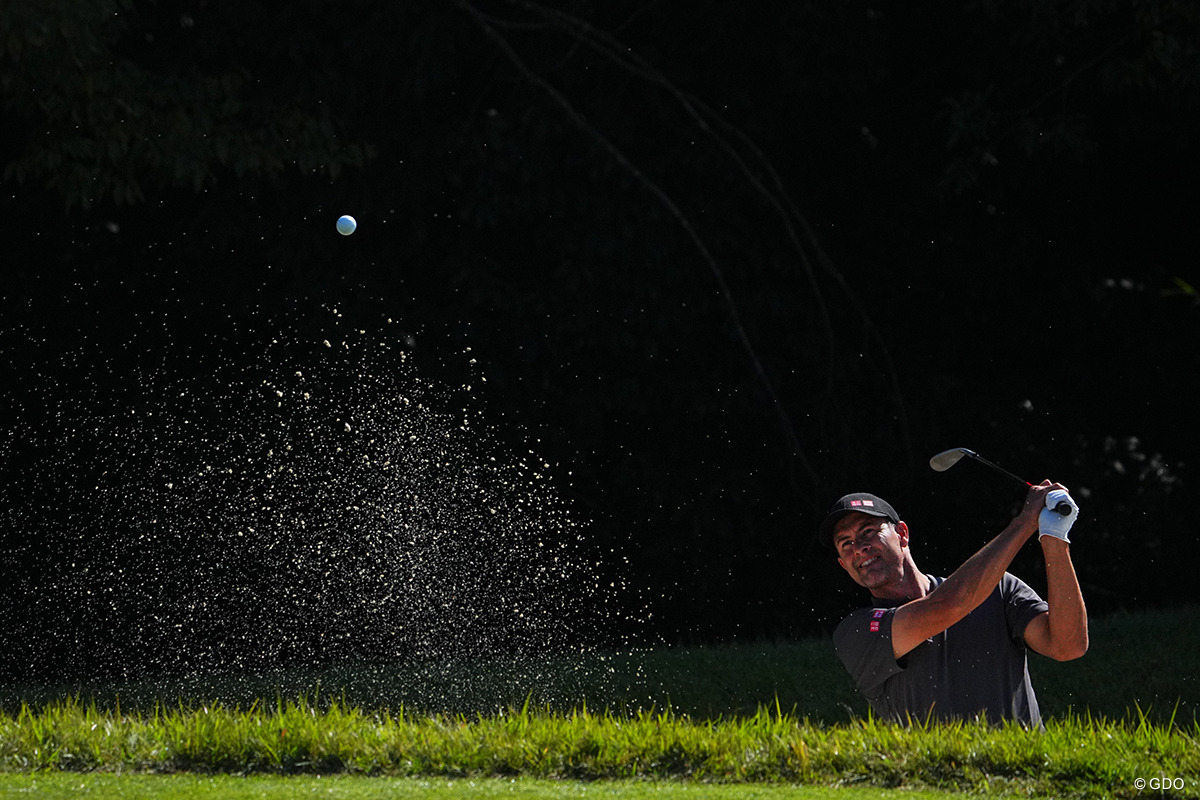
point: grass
(763, 715)
(1074, 757)
(349, 787)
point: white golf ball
(346, 225)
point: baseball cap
(862, 502)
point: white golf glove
(1052, 523)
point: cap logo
(870, 503)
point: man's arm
(1062, 632)
(970, 585)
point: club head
(948, 458)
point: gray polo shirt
(976, 666)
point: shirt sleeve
(1021, 605)
(863, 642)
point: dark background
(719, 263)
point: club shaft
(999, 469)
(1063, 508)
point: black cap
(862, 502)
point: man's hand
(1051, 522)
(1029, 517)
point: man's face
(871, 549)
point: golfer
(954, 648)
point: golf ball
(346, 225)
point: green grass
(756, 716)
(350, 787)
(1074, 757)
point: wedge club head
(948, 458)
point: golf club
(948, 458)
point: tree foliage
(120, 100)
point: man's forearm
(1068, 615)
(971, 583)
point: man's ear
(902, 532)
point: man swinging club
(954, 648)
